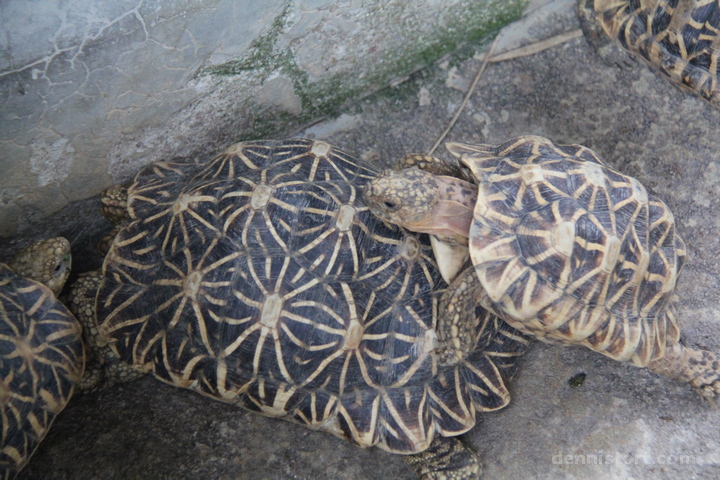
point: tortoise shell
(678, 38)
(260, 278)
(570, 250)
(41, 360)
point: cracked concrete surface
(90, 91)
(620, 423)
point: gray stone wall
(91, 90)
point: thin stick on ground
(536, 47)
(488, 58)
(467, 97)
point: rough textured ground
(621, 422)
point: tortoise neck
(454, 211)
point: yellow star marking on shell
(261, 196)
(191, 284)
(355, 329)
(410, 248)
(563, 237)
(532, 174)
(271, 310)
(185, 200)
(320, 149)
(639, 191)
(612, 254)
(345, 218)
(594, 174)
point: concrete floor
(621, 423)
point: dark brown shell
(41, 360)
(678, 38)
(260, 278)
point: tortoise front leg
(462, 317)
(447, 458)
(113, 206)
(456, 318)
(466, 324)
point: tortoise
(563, 247)
(41, 351)
(678, 38)
(260, 278)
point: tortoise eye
(58, 269)
(392, 206)
(61, 266)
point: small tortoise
(564, 248)
(261, 279)
(41, 351)
(678, 38)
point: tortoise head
(46, 261)
(423, 202)
(407, 198)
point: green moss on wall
(478, 21)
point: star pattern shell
(260, 278)
(678, 38)
(41, 360)
(572, 251)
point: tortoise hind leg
(699, 368)
(447, 458)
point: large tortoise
(678, 38)
(563, 247)
(41, 351)
(260, 278)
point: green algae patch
(402, 43)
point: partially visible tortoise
(261, 279)
(678, 38)
(564, 248)
(41, 351)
